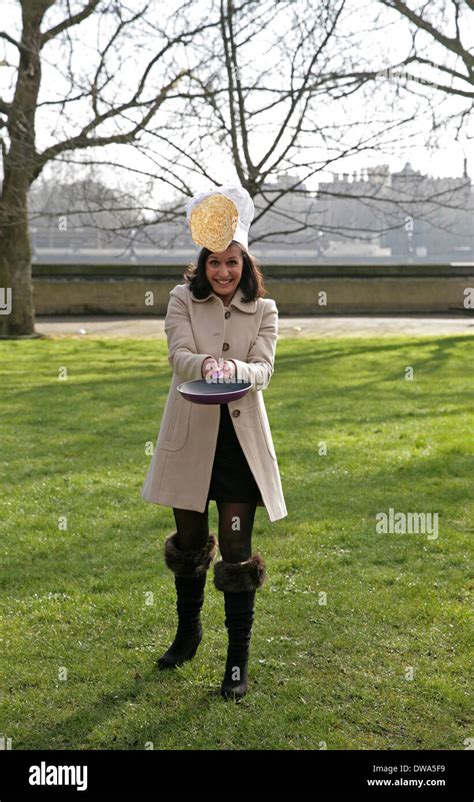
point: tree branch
(75, 19)
(12, 41)
(5, 107)
(450, 43)
(83, 141)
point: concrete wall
(349, 290)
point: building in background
(371, 216)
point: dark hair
(251, 283)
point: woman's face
(224, 271)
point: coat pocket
(176, 430)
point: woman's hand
(225, 367)
(209, 366)
(229, 370)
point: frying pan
(215, 391)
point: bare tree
(265, 87)
(278, 64)
(109, 114)
(274, 100)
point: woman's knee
(235, 549)
(235, 530)
(192, 528)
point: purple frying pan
(214, 392)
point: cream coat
(180, 470)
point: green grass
(320, 675)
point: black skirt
(231, 478)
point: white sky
(390, 43)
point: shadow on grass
(425, 480)
(74, 731)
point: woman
(218, 319)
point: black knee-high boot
(239, 582)
(190, 570)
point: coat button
(227, 314)
(225, 347)
(236, 413)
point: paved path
(293, 327)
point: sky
(388, 40)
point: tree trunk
(15, 271)
(20, 168)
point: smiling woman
(222, 452)
(224, 271)
(236, 264)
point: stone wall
(350, 290)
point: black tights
(235, 529)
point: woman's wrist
(203, 365)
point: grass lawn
(360, 639)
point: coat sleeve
(260, 359)
(182, 356)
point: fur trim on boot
(239, 577)
(189, 563)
